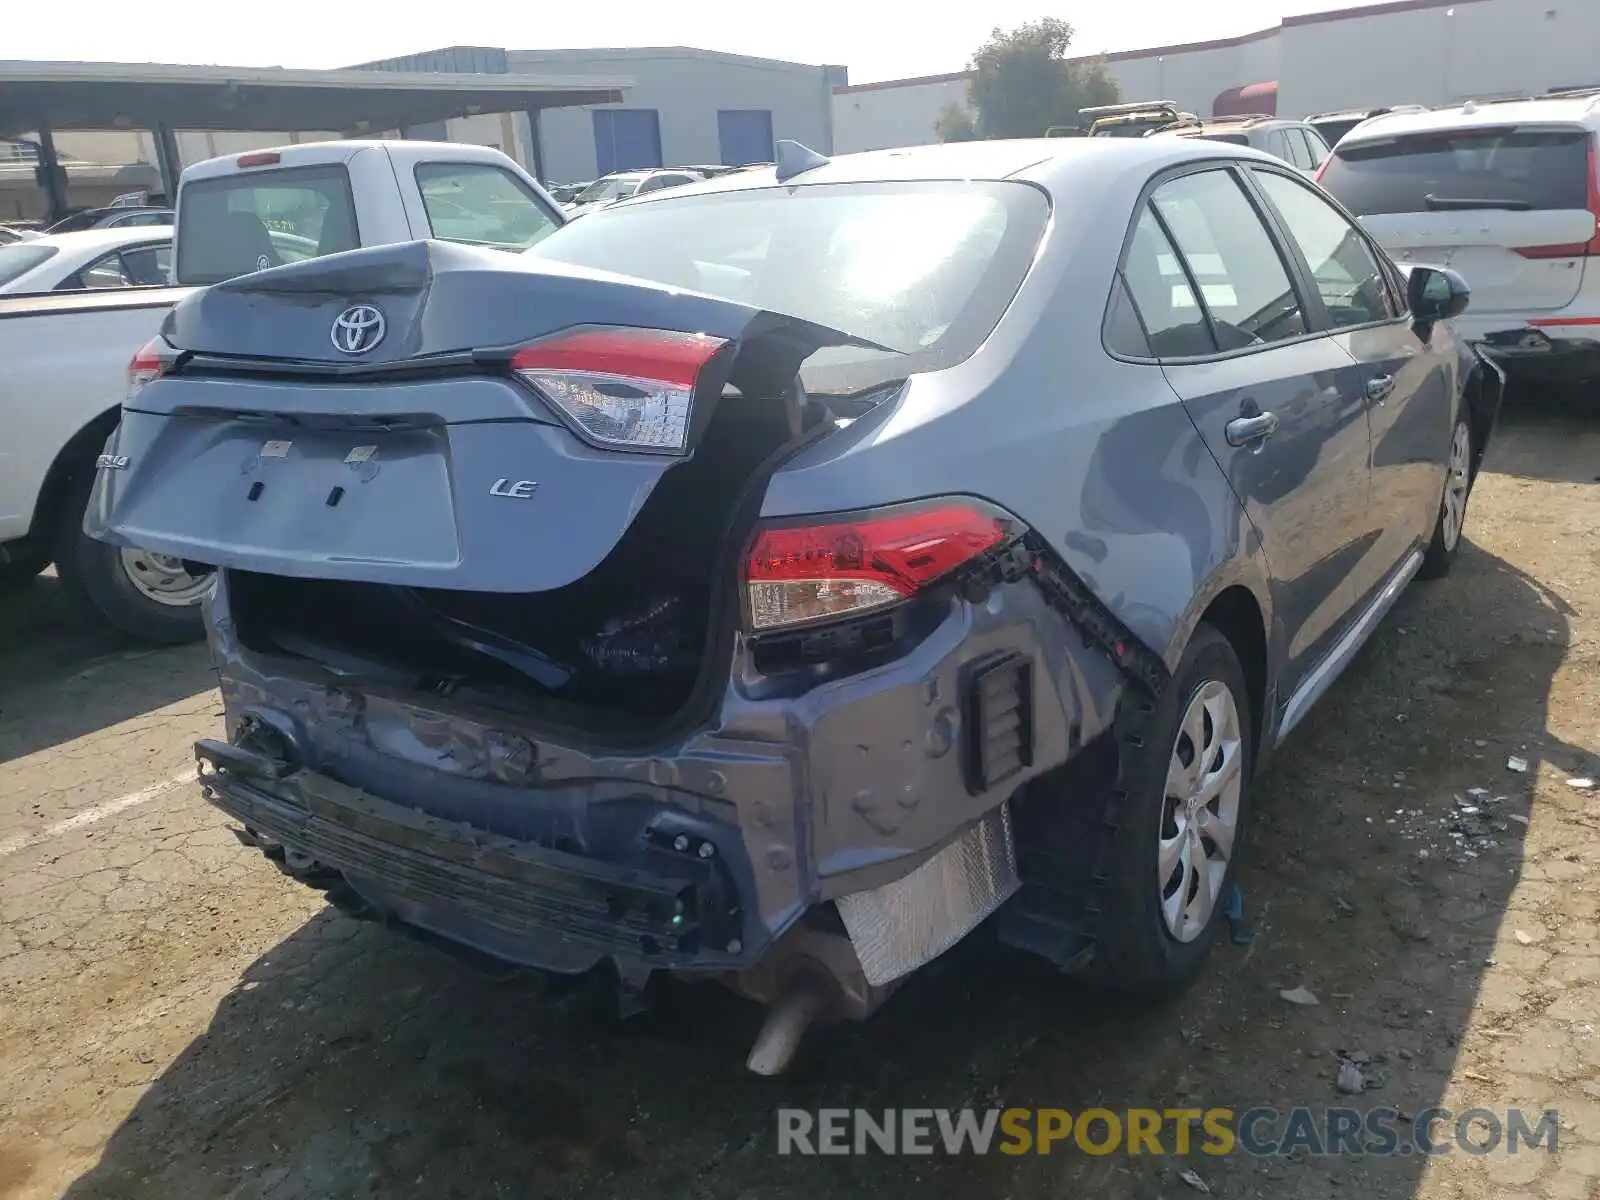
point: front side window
(481, 205)
(233, 224)
(1349, 278)
(1242, 279)
(148, 266)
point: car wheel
(1177, 835)
(21, 565)
(151, 596)
(1452, 505)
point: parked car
(95, 259)
(566, 193)
(1506, 194)
(772, 581)
(1296, 142)
(66, 357)
(622, 185)
(1133, 119)
(1334, 125)
(114, 217)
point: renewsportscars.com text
(1256, 1131)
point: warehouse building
(1431, 52)
(680, 106)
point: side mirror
(1436, 294)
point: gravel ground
(177, 1020)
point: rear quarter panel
(66, 361)
(1097, 455)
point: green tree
(1023, 83)
(955, 124)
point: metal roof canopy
(73, 95)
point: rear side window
(235, 224)
(481, 205)
(1242, 279)
(923, 270)
(1172, 317)
(19, 257)
(1514, 168)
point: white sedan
(93, 259)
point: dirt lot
(177, 1020)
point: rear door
(1264, 389)
(1510, 207)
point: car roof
(1557, 110)
(103, 239)
(1059, 164)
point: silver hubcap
(162, 578)
(1455, 487)
(1201, 811)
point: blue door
(1265, 393)
(744, 135)
(626, 139)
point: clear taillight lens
(855, 563)
(628, 388)
(148, 364)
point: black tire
(1459, 476)
(1138, 952)
(21, 565)
(93, 577)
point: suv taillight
(1591, 248)
(854, 563)
(626, 388)
(149, 363)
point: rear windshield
(1423, 172)
(922, 270)
(234, 224)
(1232, 139)
(18, 258)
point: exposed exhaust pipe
(786, 1023)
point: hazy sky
(875, 40)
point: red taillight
(258, 158)
(149, 363)
(629, 388)
(1591, 248)
(854, 563)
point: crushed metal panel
(900, 926)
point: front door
(1265, 394)
(1400, 379)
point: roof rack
(1571, 93)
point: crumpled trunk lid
(421, 461)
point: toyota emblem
(357, 329)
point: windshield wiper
(1467, 203)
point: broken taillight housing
(632, 389)
(149, 362)
(856, 562)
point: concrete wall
(1399, 52)
(686, 88)
(873, 116)
(1427, 56)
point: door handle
(1242, 431)
(1379, 387)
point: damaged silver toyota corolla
(775, 579)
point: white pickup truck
(67, 355)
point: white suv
(1507, 194)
